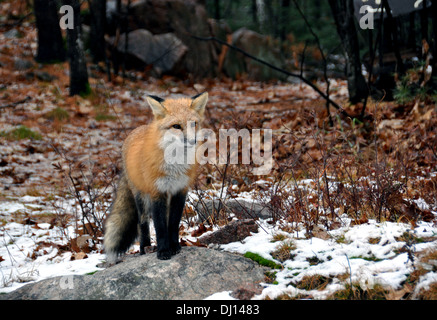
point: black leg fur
(144, 230)
(176, 209)
(159, 215)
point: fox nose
(190, 141)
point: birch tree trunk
(261, 14)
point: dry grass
(356, 292)
(428, 294)
(284, 251)
(313, 282)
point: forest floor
(354, 204)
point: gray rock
(45, 76)
(183, 18)
(193, 274)
(163, 51)
(234, 231)
(13, 33)
(243, 209)
(22, 64)
(258, 45)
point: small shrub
(279, 237)
(283, 252)
(355, 292)
(428, 294)
(270, 277)
(314, 282)
(403, 94)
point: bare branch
(299, 76)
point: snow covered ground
(30, 252)
(367, 254)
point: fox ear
(157, 108)
(199, 102)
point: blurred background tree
(50, 44)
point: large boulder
(243, 209)
(193, 274)
(260, 46)
(184, 18)
(234, 231)
(164, 52)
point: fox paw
(175, 250)
(164, 255)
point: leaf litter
(355, 204)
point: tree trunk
(343, 11)
(434, 30)
(392, 25)
(217, 9)
(424, 22)
(412, 31)
(261, 15)
(284, 14)
(78, 69)
(254, 12)
(50, 45)
(271, 20)
(97, 32)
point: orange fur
(143, 158)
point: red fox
(151, 185)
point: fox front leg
(177, 205)
(159, 215)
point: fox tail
(121, 226)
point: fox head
(178, 120)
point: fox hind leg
(142, 203)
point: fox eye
(177, 126)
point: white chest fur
(175, 178)
(175, 166)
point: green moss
(57, 114)
(19, 133)
(371, 258)
(91, 273)
(105, 117)
(262, 261)
(103, 113)
(87, 91)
